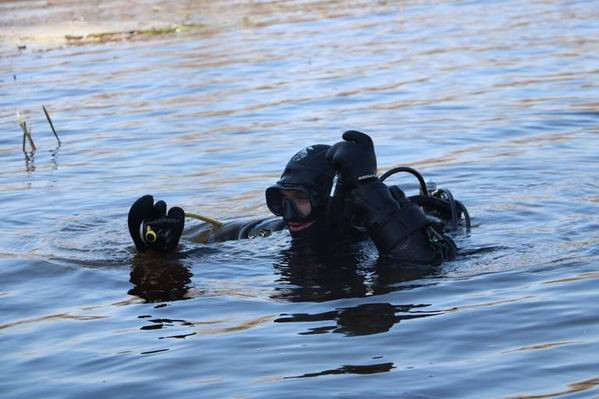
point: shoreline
(34, 25)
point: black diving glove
(354, 158)
(152, 228)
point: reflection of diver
(327, 194)
(158, 279)
(308, 274)
(345, 270)
(365, 319)
(352, 369)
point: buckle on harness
(435, 238)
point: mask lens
(291, 204)
(274, 201)
(296, 206)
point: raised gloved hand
(354, 158)
(152, 228)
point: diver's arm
(234, 230)
(152, 228)
(398, 230)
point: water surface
(496, 101)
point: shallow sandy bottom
(38, 25)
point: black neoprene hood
(307, 171)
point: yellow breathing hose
(206, 219)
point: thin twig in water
(26, 133)
(29, 137)
(51, 124)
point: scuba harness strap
(434, 201)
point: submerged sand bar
(44, 24)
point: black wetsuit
(235, 230)
(347, 203)
(410, 248)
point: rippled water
(497, 101)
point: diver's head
(301, 195)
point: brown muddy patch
(38, 25)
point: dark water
(497, 101)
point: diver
(326, 195)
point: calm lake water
(497, 101)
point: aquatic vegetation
(27, 138)
(136, 34)
(51, 124)
(26, 133)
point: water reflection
(158, 278)
(365, 319)
(342, 271)
(29, 161)
(29, 158)
(54, 158)
(352, 369)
